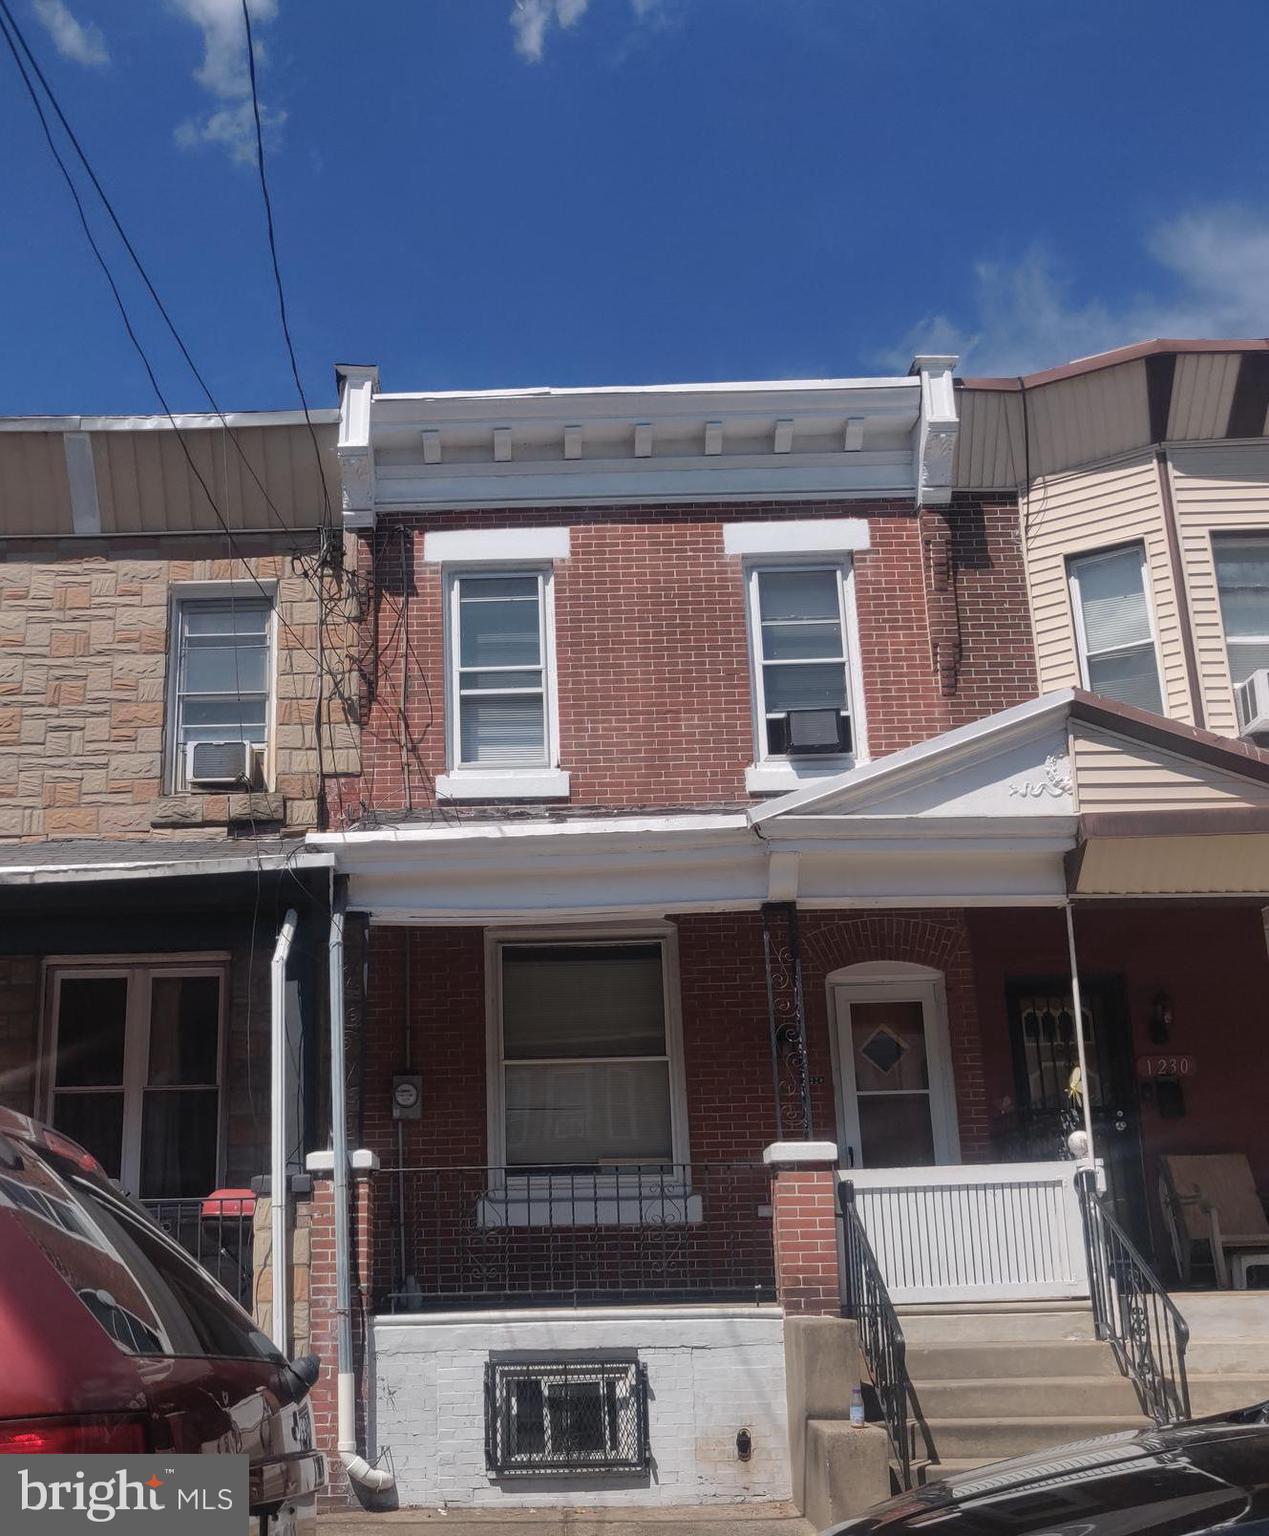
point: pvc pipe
(1085, 1086)
(376, 1479)
(278, 1192)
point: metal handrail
(880, 1335)
(1132, 1311)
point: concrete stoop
(998, 1382)
(1227, 1362)
(847, 1469)
(755, 1519)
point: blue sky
(480, 193)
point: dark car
(1207, 1475)
(114, 1340)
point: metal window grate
(566, 1416)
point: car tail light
(72, 1151)
(72, 1436)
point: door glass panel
(91, 1019)
(95, 1121)
(889, 1043)
(895, 1130)
(178, 1143)
(184, 1029)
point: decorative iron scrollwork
(787, 1019)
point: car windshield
(149, 1296)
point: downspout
(278, 1192)
(1085, 1096)
(376, 1479)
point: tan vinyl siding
(145, 485)
(34, 491)
(1182, 866)
(990, 452)
(1222, 488)
(1115, 774)
(1088, 418)
(1096, 509)
(1202, 393)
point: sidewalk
(756, 1519)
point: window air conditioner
(814, 731)
(218, 764)
(1252, 701)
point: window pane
(798, 595)
(1113, 600)
(889, 1046)
(588, 1113)
(484, 589)
(225, 669)
(896, 1131)
(582, 1002)
(1131, 676)
(502, 729)
(244, 616)
(95, 1121)
(184, 1029)
(91, 1018)
(498, 633)
(1242, 575)
(178, 1143)
(528, 1424)
(789, 642)
(1244, 659)
(247, 713)
(804, 687)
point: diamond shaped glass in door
(892, 1084)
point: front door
(896, 1107)
(1045, 1054)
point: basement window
(566, 1415)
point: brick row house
(698, 798)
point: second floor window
(798, 628)
(1114, 629)
(1242, 578)
(500, 658)
(221, 677)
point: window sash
(1246, 641)
(246, 712)
(1091, 657)
(761, 662)
(467, 691)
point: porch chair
(1212, 1199)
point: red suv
(113, 1339)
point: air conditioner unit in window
(1252, 701)
(219, 764)
(813, 731)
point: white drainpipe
(278, 1123)
(376, 1479)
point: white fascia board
(936, 754)
(474, 546)
(184, 422)
(764, 390)
(808, 834)
(620, 830)
(825, 536)
(146, 869)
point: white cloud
(81, 41)
(224, 75)
(1211, 279)
(533, 20)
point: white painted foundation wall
(711, 1372)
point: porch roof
(1066, 794)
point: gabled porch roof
(1066, 794)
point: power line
(273, 256)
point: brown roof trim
(1112, 359)
(1217, 820)
(1140, 725)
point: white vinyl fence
(974, 1232)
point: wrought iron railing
(1133, 1312)
(555, 1236)
(216, 1232)
(881, 1338)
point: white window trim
(888, 981)
(139, 970)
(528, 781)
(769, 773)
(181, 593)
(1080, 558)
(612, 1193)
(820, 536)
(495, 546)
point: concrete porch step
(1014, 1397)
(1016, 1323)
(1226, 1357)
(1221, 1394)
(992, 1438)
(1046, 1358)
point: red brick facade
(652, 649)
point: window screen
(1114, 616)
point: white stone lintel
(790, 1154)
(361, 1161)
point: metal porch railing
(1133, 1312)
(216, 1232)
(557, 1236)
